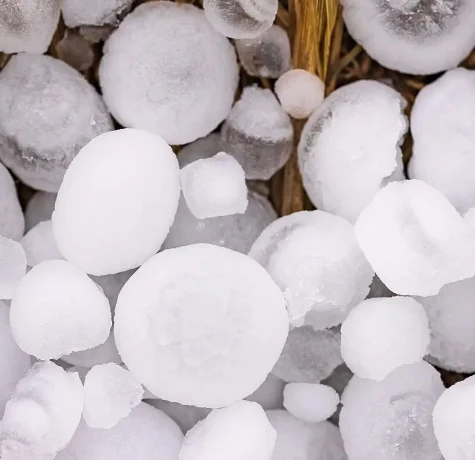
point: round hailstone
(39, 208)
(159, 73)
(314, 258)
(415, 240)
(342, 162)
(48, 112)
(381, 335)
(12, 266)
(12, 223)
(94, 13)
(57, 309)
(124, 214)
(200, 337)
(40, 245)
(413, 36)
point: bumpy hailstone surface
(12, 266)
(48, 112)
(267, 55)
(42, 414)
(441, 122)
(415, 240)
(27, 26)
(381, 335)
(159, 73)
(57, 309)
(93, 12)
(351, 147)
(314, 258)
(417, 36)
(204, 337)
(392, 419)
(12, 222)
(123, 215)
(40, 245)
(258, 133)
(39, 208)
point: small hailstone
(270, 395)
(258, 133)
(227, 324)
(124, 214)
(39, 208)
(75, 50)
(267, 55)
(350, 147)
(40, 245)
(12, 266)
(48, 112)
(57, 309)
(299, 92)
(12, 222)
(415, 240)
(159, 73)
(93, 12)
(240, 431)
(381, 335)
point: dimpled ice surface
(93, 12)
(200, 325)
(413, 36)
(314, 258)
(57, 309)
(40, 245)
(39, 208)
(130, 173)
(258, 133)
(12, 266)
(350, 147)
(12, 222)
(415, 240)
(159, 73)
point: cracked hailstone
(12, 222)
(314, 258)
(40, 245)
(12, 266)
(413, 36)
(159, 73)
(93, 12)
(209, 338)
(415, 240)
(40, 207)
(351, 147)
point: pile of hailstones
(146, 297)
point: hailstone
(93, 12)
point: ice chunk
(123, 215)
(39, 208)
(12, 222)
(415, 240)
(12, 266)
(93, 12)
(75, 50)
(270, 395)
(216, 333)
(350, 147)
(314, 258)
(159, 73)
(40, 245)
(57, 309)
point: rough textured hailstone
(12, 222)
(39, 208)
(40, 245)
(57, 309)
(12, 266)
(200, 325)
(93, 12)
(381, 335)
(123, 215)
(415, 240)
(351, 147)
(158, 72)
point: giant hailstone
(12, 222)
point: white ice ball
(93, 13)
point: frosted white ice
(94, 12)
(39, 208)
(12, 222)
(40, 245)
(12, 266)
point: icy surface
(12, 222)
(57, 309)
(39, 208)
(159, 73)
(204, 337)
(258, 133)
(413, 36)
(12, 266)
(415, 240)
(129, 173)
(40, 245)
(350, 147)
(94, 12)
(314, 258)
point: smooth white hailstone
(204, 338)
(124, 214)
(351, 147)
(258, 133)
(57, 309)
(314, 258)
(158, 72)
(270, 395)
(240, 431)
(415, 240)
(12, 266)
(413, 36)
(40, 245)
(93, 12)
(39, 208)
(381, 335)
(12, 222)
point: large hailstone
(351, 147)
(117, 201)
(48, 112)
(159, 73)
(413, 36)
(200, 325)
(12, 222)
(94, 12)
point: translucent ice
(39, 208)
(216, 332)
(93, 12)
(350, 147)
(12, 222)
(40, 245)
(123, 215)
(159, 73)
(258, 133)
(415, 240)
(12, 266)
